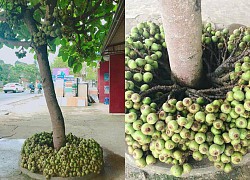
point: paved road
(10, 101)
(7, 98)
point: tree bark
(183, 30)
(56, 116)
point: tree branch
(160, 88)
(15, 42)
(219, 70)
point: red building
(111, 72)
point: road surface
(7, 98)
(10, 101)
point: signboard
(106, 76)
(106, 89)
(60, 72)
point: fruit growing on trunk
(173, 122)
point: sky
(9, 57)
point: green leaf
(32, 50)
(79, 2)
(57, 41)
(63, 3)
(34, 2)
(94, 64)
(77, 67)
(65, 57)
(71, 61)
(53, 47)
(63, 42)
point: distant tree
(27, 71)
(58, 63)
(91, 73)
(5, 72)
(10, 73)
(19, 62)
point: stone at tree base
(201, 171)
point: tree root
(165, 89)
(215, 90)
(227, 64)
(178, 92)
(132, 70)
(209, 94)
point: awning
(115, 40)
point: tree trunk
(183, 30)
(56, 116)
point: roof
(115, 40)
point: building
(111, 72)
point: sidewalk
(87, 122)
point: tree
(91, 73)
(5, 72)
(183, 38)
(28, 71)
(79, 27)
(58, 63)
(9, 73)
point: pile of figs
(79, 157)
(189, 128)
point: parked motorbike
(32, 91)
(39, 91)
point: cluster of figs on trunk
(210, 35)
(79, 157)
(180, 130)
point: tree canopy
(78, 27)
